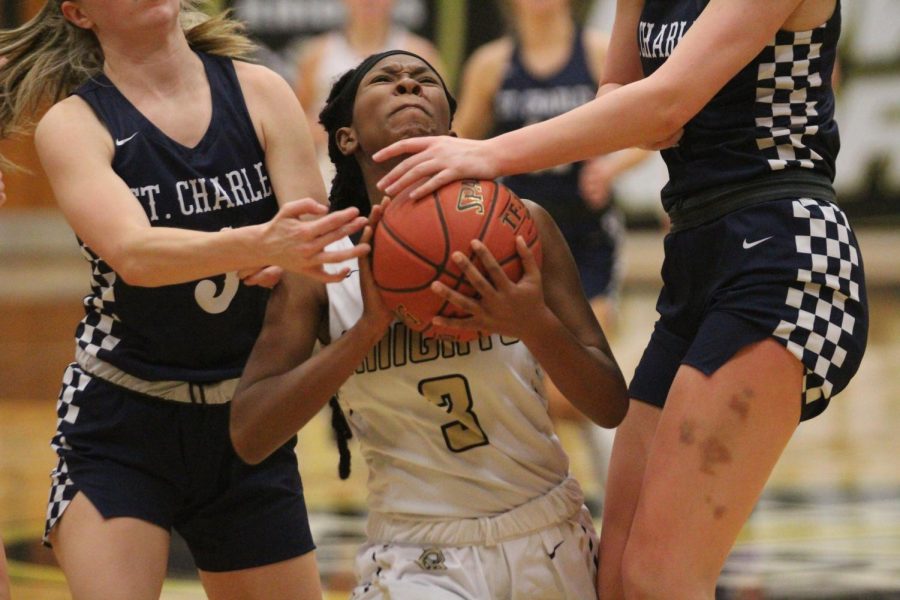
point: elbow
(616, 406)
(671, 118)
(130, 267)
(134, 273)
(242, 443)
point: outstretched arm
(726, 36)
(76, 152)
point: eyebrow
(394, 68)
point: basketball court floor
(827, 527)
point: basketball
(414, 240)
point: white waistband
(556, 506)
(219, 392)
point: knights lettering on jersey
(401, 346)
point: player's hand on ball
(374, 308)
(502, 306)
(434, 162)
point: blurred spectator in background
(369, 28)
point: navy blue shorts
(789, 269)
(595, 246)
(172, 464)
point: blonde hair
(48, 57)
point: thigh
(557, 562)
(294, 579)
(109, 559)
(718, 438)
(243, 516)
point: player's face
(399, 98)
(119, 16)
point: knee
(648, 573)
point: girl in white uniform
(469, 491)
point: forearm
(585, 375)
(608, 123)
(267, 412)
(156, 256)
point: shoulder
(489, 62)
(261, 85)
(493, 55)
(258, 77)
(595, 43)
(71, 124)
(545, 223)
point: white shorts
(557, 561)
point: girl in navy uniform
(173, 163)
(469, 491)
(763, 314)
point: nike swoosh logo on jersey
(126, 140)
(748, 245)
(552, 554)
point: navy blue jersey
(774, 120)
(523, 99)
(203, 330)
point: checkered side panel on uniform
(99, 327)
(61, 489)
(74, 380)
(61, 493)
(789, 69)
(820, 331)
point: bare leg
(109, 559)
(626, 472)
(294, 579)
(716, 443)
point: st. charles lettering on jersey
(207, 194)
(401, 345)
(658, 40)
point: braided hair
(348, 188)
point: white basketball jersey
(455, 430)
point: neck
(373, 172)
(367, 38)
(545, 31)
(150, 63)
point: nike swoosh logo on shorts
(126, 140)
(748, 245)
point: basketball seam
(439, 269)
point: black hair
(348, 188)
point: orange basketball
(414, 240)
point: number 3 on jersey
(451, 394)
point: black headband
(347, 96)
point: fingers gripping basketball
(415, 239)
